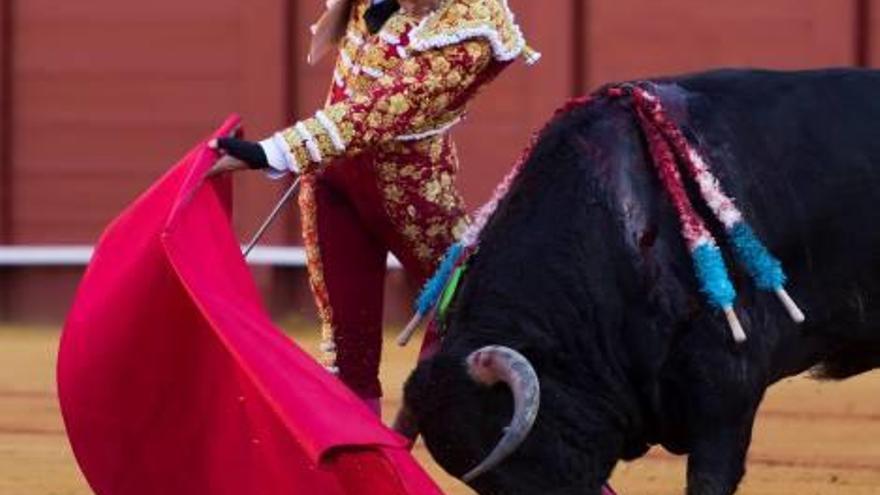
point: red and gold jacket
(398, 91)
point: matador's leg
(425, 210)
(347, 273)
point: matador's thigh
(423, 207)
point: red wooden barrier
(95, 80)
(642, 38)
(6, 51)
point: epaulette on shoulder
(460, 20)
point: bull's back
(800, 151)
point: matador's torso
(398, 91)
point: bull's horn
(494, 364)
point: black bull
(583, 270)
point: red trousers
(354, 213)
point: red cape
(173, 380)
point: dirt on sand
(811, 438)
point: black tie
(379, 13)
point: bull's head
(476, 385)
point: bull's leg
(721, 412)
(717, 460)
(721, 390)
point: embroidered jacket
(398, 91)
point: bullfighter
(377, 162)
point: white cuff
(281, 160)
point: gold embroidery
(436, 150)
(432, 191)
(393, 193)
(411, 231)
(398, 104)
(297, 146)
(421, 199)
(491, 20)
(309, 211)
(321, 137)
(460, 228)
(440, 65)
(410, 68)
(424, 252)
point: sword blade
(271, 218)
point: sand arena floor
(811, 438)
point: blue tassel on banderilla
(433, 290)
(762, 267)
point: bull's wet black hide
(584, 271)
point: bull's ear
(434, 383)
(415, 389)
(416, 393)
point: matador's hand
(225, 164)
(240, 154)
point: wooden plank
(872, 35)
(862, 32)
(580, 41)
(263, 71)
(642, 38)
(291, 49)
(292, 233)
(6, 54)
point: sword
(271, 218)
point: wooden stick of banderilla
(271, 218)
